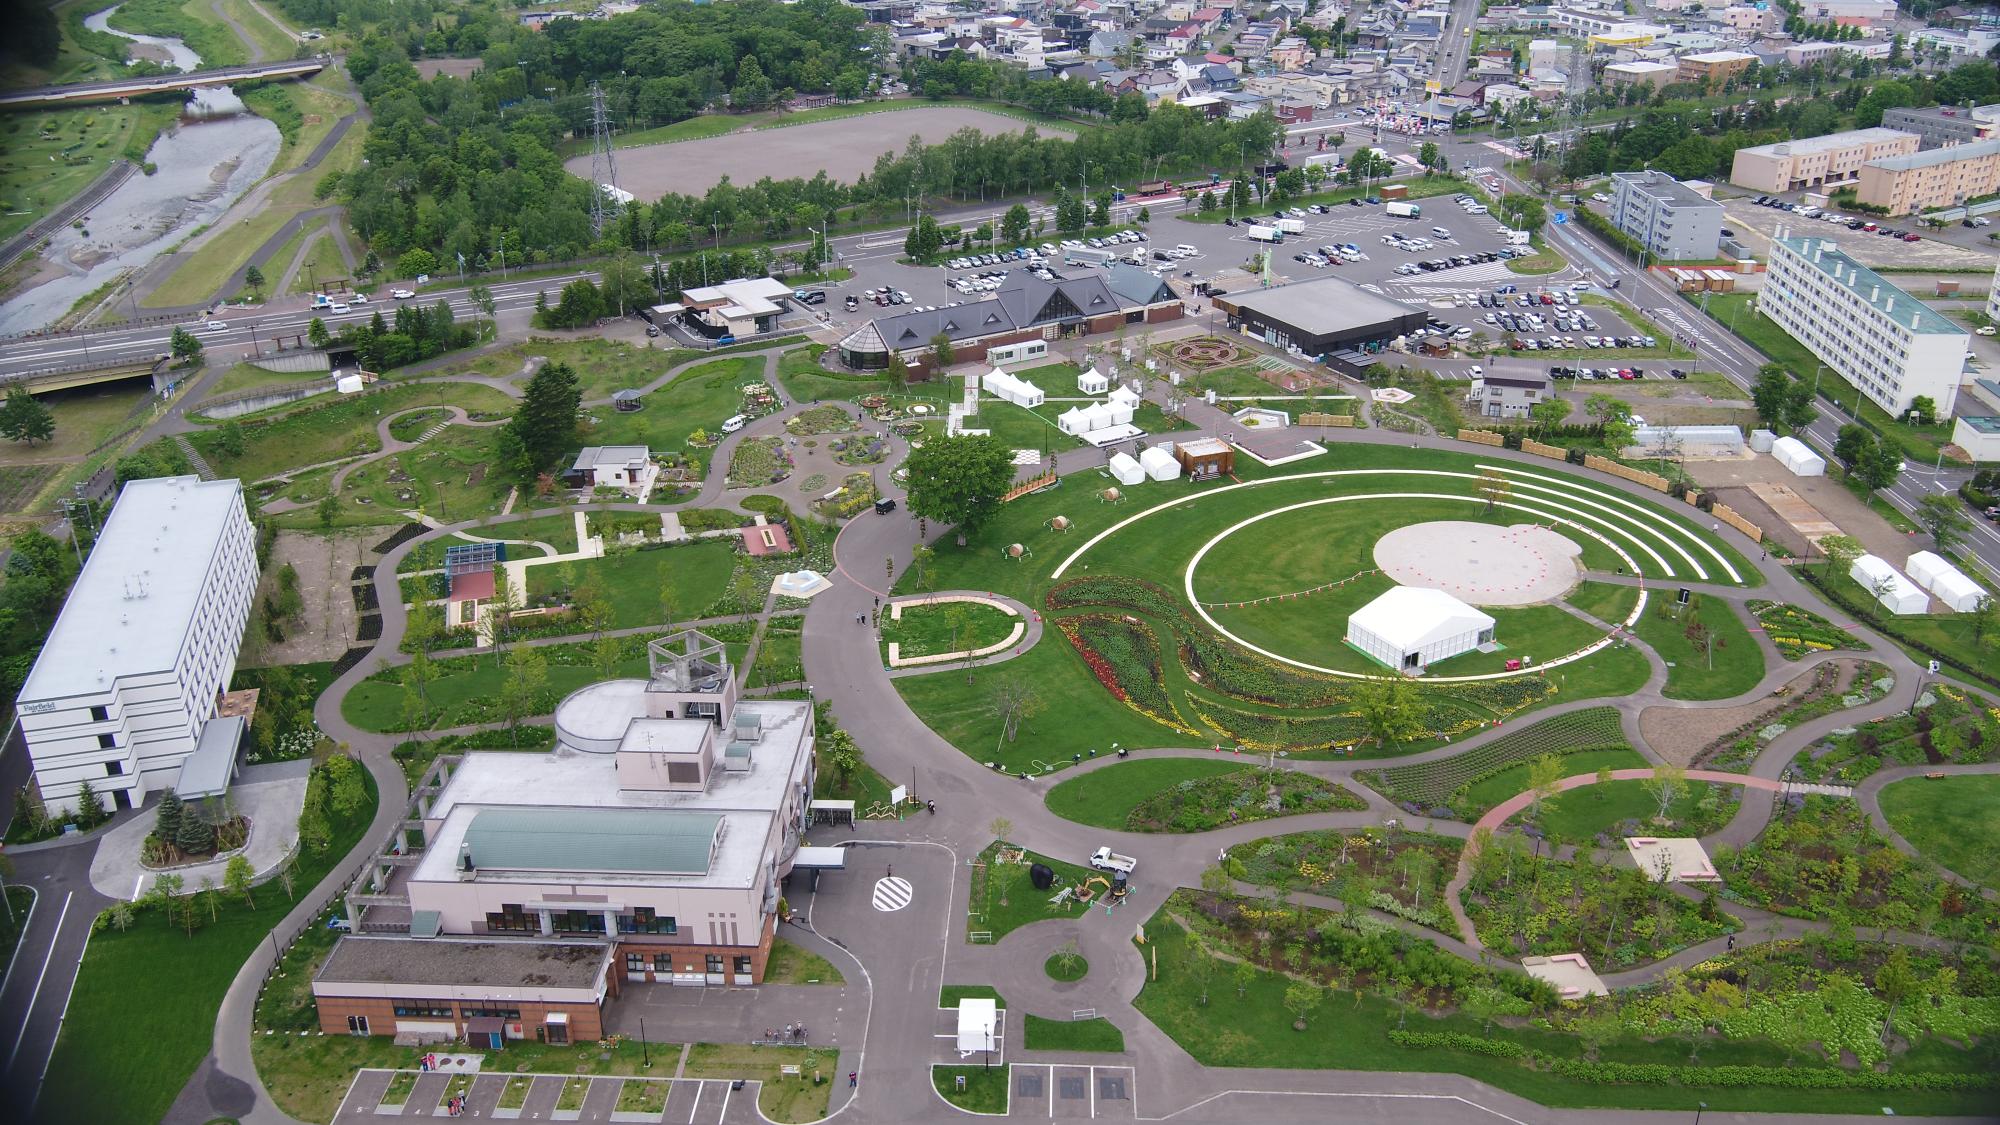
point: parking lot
(1755, 226)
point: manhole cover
(1072, 1089)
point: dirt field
(1677, 734)
(457, 68)
(324, 565)
(845, 148)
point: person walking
(853, 1079)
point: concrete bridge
(44, 96)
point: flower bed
(1400, 873)
(1799, 632)
(1124, 655)
(1615, 915)
(1201, 803)
(759, 461)
(1434, 786)
(822, 420)
(1952, 730)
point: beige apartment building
(1713, 68)
(1939, 177)
(1816, 161)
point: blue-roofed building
(1873, 334)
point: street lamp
(1698, 1107)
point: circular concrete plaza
(844, 148)
(1481, 563)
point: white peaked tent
(1126, 470)
(1096, 416)
(1945, 581)
(1074, 421)
(1798, 457)
(1412, 626)
(1093, 382)
(1116, 413)
(978, 1026)
(1159, 463)
(1896, 593)
(1001, 385)
(1125, 396)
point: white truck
(1404, 210)
(1104, 859)
(1292, 226)
(1265, 234)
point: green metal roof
(648, 841)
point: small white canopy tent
(1096, 416)
(1075, 421)
(1119, 413)
(1125, 396)
(1924, 567)
(1159, 463)
(1017, 391)
(1093, 382)
(978, 1026)
(1798, 457)
(1125, 469)
(1896, 593)
(1412, 626)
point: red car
(1912, 238)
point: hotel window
(100, 714)
(510, 919)
(715, 962)
(635, 962)
(663, 962)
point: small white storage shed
(1896, 593)
(1126, 470)
(978, 1026)
(1798, 457)
(1159, 463)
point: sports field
(844, 148)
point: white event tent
(1798, 457)
(1412, 626)
(1126, 470)
(1945, 581)
(1159, 463)
(1093, 382)
(1896, 593)
(1001, 385)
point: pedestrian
(853, 1079)
(889, 871)
(1731, 939)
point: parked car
(401, 294)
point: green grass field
(1951, 821)
(1580, 814)
(328, 429)
(85, 416)
(700, 398)
(1100, 1034)
(138, 1020)
(1104, 798)
(1495, 788)
(928, 630)
(1732, 666)
(789, 964)
(1003, 900)
(631, 581)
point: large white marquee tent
(1896, 593)
(1412, 626)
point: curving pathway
(844, 669)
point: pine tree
(195, 836)
(542, 428)
(167, 819)
(89, 807)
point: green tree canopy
(544, 426)
(960, 480)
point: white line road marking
(892, 894)
(36, 995)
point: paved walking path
(898, 968)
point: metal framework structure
(604, 201)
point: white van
(734, 423)
(1441, 232)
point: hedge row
(1668, 1074)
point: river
(203, 164)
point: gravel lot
(844, 148)
(1755, 226)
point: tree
(1391, 710)
(941, 352)
(253, 279)
(1001, 828)
(1016, 701)
(346, 791)
(1923, 409)
(1767, 395)
(195, 836)
(317, 334)
(1943, 515)
(1495, 487)
(1432, 158)
(416, 262)
(483, 297)
(960, 480)
(923, 241)
(1100, 210)
(921, 558)
(1799, 409)
(527, 672)
(186, 349)
(1301, 997)
(1878, 466)
(24, 418)
(1667, 785)
(544, 425)
(1841, 551)
(1543, 774)
(1895, 982)
(1014, 225)
(1523, 212)
(1850, 442)
(1144, 216)
(842, 757)
(167, 818)
(1207, 202)
(89, 807)
(1551, 412)
(328, 510)
(236, 878)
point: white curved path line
(1589, 649)
(1625, 502)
